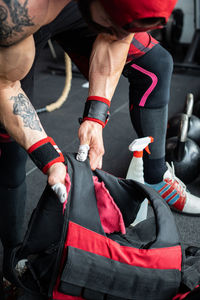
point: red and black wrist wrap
(45, 153)
(97, 110)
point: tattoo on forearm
(13, 18)
(23, 108)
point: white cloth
(82, 152)
(60, 191)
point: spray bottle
(136, 171)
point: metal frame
(188, 61)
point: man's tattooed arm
(23, 108)
(13, 19)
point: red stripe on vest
(87, 240)
(59, 296)
(83, 238)
(181, 296)
(56, 294)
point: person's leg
(150, 79)
(12, 188)
(12, 197)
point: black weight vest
(71, 257)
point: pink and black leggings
(149, 77)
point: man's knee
(150, 78)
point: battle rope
(68, 78)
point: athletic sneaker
(174, 192)
(10, 291)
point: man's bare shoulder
(21, 18)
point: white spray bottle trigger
(141, 144)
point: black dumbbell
(184, 153)
(194, 122)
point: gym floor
(62, 125)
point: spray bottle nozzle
(147, 150)
(141, 144)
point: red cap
(124, 12)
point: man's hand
(56, 179)
(90, 133)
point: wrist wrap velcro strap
(97, 110)
(45, 153)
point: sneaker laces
(181, 185)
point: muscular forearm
(106, 64)
(19, 117)
(20, 120)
